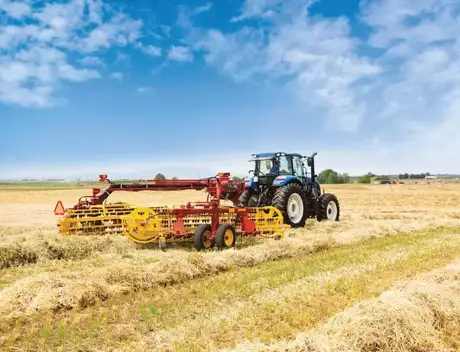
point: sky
(191, 88)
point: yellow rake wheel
(202, 237)
(142, 225)
(225, 236)
(97, 219)
(270, 222)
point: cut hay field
(385, 278)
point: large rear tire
(328, 208)
(292, 203)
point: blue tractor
(281, 180)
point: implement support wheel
(202, 237)
(225, 236)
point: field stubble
(42, 273)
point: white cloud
(257, 8)
(29, 77)
(180, 53)
(91, 61)
(186, 15)
(317, 55)
(120, 31)
(144, 89)
(150, 50)
(117, 75)
(407, 97)
(121, 57)
(15, 9)
(35, 58)
(404, 96)
(166, 30)
(419, 84)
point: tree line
(330, 176)
(409, 176)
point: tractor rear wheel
(225, 236)
(292, 203)
(247, 199)
(202, 237)
(328, 208)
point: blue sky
(132, 88)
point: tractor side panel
(284, 180)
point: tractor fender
(284, 180)
(247, 182)
(250, 183)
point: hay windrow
(13, 254)
(410, 317)
(16, 255)
(125, 276)
(177, 269)
(52, 291)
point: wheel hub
(295, 207)
(331, 210)
(207, 239)
(228, 238)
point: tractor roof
(265, 156)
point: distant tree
(345, 177)
(367, 178)
(236, 178)
(382, 178)
(160, 177)
(175, 178)
(326, 175)
(330, 176)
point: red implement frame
(220, 187)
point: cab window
(297, 166)
(284, 166)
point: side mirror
(250, 171)
(309, 161)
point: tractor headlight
(256, 179)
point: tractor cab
(272, 167)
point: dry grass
(24, 252)
(80, 288)
(43, 273)
(417, 315)
(271, 300)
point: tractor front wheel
(291, 201)
(328, 208)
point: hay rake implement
(208, 223)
